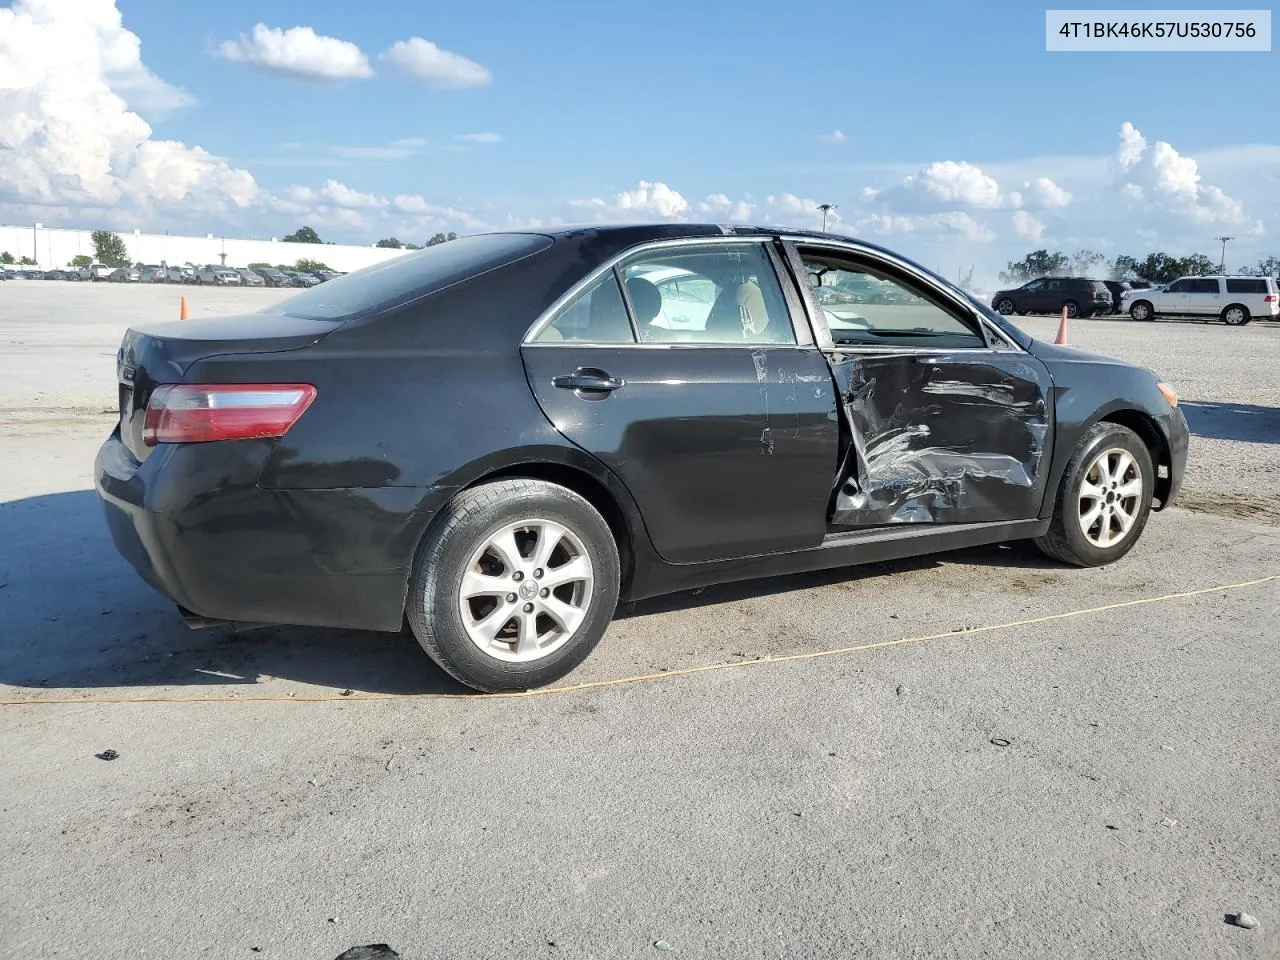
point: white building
(54, 247)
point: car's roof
(667, 230)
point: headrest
(646, 299)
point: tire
(1005, 306)
(1127, 457)
(1236, 315)
(1142, 311)
(461, 542)
(1072, 308)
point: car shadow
(75, 616)
(1246, 422)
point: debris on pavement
(1246, 920)
(662, 945)
(1168, 822)
(372, 951)
(107, 755)
(999, 742)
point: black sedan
(500, 438)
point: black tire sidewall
(1100, 437)
(435, 585)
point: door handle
(591, 381)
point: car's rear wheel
(1005, 306)
(1236, 315)
(1141, 311)
(514, 585)
(1072, 308)
(1104, 500)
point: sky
(942, 130)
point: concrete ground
(974, 754)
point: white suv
(1234, 300)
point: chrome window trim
(548, 316)
(823, 335)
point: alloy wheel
(1110, 498)
(526, 590)
(1234, 316)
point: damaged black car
(498, 439)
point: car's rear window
(408, 277)
(1248, 286)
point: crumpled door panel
(951, 438)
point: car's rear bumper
(194, 523)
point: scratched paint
(938, 441)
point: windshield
(410, 276)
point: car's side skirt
(845, 549)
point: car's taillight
(1270, 298)
(201, 412)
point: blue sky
(951, 119)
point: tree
(257, 266)
(441, 238)
(1270, 267)
(1083, 262)
(309, 266)
(1038, 263)
(303, 235)
(1161, 267)
(390, 243)
(109, 249)
(6, 257)
(80, 260)
(27, 262)
(1124, 267)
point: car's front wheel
(1141, 311)
(1005, 306)
(514, 585)
(1104, 499)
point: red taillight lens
(1270, 298)
(201, 412)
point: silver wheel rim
(1005, 307)
(1235, 315)
(526, 590)
(1110, 497)
(1140, 312)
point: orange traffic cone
(182, 311)
(1062, 328)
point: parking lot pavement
(1082, 772)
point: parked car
(100, 271)
(1080, 297)
(1233, 300)
(153, 273)
(54, 275)
(273, 277)
(299, 279)
(249, 278)
(473, 437)
(126, 275)
(222, 276)
(1117, 289)
(31, 273)
(182, 275)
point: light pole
(1223, 265)
(825, 208)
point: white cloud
(435, 67)
(1047, 194)
(834, 138)
(720, 207)
(648, 199)
(340, 195)
(68, 138)
(298, 52)
(948, 183)
(396, 150)
(1025, 225)
(1163, 181)
(479, 137)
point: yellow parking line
(643, 677)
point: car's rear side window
(1204, 285)
(408, 277)
(1248, 286)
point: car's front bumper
(1177, 437)
(194, 523)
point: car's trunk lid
(155, 354)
